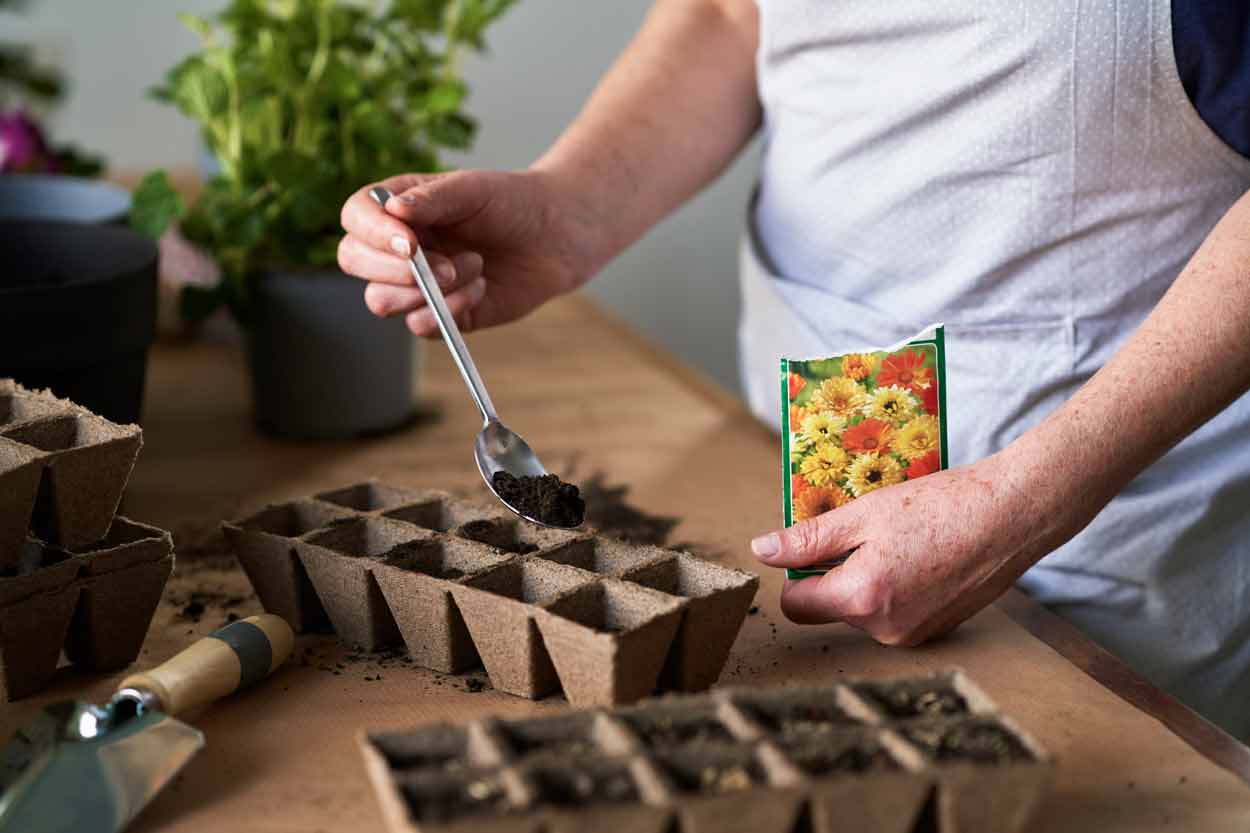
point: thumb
(441, 199)
(813, 541)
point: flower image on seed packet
(858, 422)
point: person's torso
(1035, 176)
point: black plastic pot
(323, 367)
(78, 312)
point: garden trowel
(81, 768)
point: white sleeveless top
(1033, 174)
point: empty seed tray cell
(62, 470)
(817, 759)
(94, 603)
(544, 610)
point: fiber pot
(78, 312)
(67, 199)
(323, 366)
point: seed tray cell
(460, 583)
(682, 722)
(984, 741)
(369, 496)
(18, 405)
(608, 640)
(592, 770)
(94, 603)
(577, 735)
(719, 598)
(440, 512)
(62, 470)
(799, 713)
(514, 536)
(935, 696)
(715, 788)
(21, 468)
(440, 748)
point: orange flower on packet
(861, 421)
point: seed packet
(858, 422)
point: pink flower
(22, 147)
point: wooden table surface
(607, 409)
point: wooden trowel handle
(229, 659)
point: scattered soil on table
(609, 512)
(547, 498)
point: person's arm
(677, 106)
(674, 111)
(931, 552)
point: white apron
(1033, 174)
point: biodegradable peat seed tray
(62, 470)
(544, 610)
(864, 756)
(94, 603)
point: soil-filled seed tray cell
(573, 782)
(546, 611)
(683, 722)
(981, 741)
(836, 753)
(438, 749)
(704, 763)
(442, 799)
(936, 696)
(92, 603)
(62, 470)
(800, 713)
(574, 735)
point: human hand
(500, 244)
(924, 555)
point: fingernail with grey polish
(399, 245)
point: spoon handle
(424, 277)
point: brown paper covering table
(594, 398)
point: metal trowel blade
(69, 772)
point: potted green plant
(300, 103)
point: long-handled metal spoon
(497, 448)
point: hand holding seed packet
(858, 422)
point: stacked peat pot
(73, 576)
(862, 756)
(459, 583)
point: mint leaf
(156, 204)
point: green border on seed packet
(939, 343)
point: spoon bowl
(497, 448)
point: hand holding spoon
(497, 448)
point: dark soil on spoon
(547, 498)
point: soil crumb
(547, 498)
(609, 512)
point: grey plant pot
(63, 199)
(323, 366)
